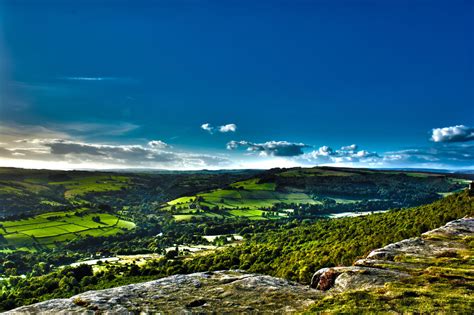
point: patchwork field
(312, 190)
(48, 229)
(248, 198)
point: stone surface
(384, 264)
(353, 277)
(224, 291)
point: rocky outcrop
(222, 292)
(354, 277)
(392, 262)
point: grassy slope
(80, 186)
(249, 198)
(297, 253)
(444, 283)
(259, 194)
(48, 228)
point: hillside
(26, 192)
(316, 191)
(43, 210)
(431, 273)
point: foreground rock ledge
(222, 291)
(386, 264)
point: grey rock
(221, 291)
(382, 266)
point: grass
(254, 194)
(236, 199)
(248, 198)
(21, 187)
(251, 214)
(182, 200)
(187, 217)
(302, 172)
(440, 284)
(53, 227)
(83, 185)
(254, 184)
(51, 203)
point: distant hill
(278, 193)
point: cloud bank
(461, 155)
(459, 133)
(71, 146)
(346, 154)
(155, 154)
(42, 146)
(270, 148)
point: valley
(56, 209)
(63, 232)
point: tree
(171, 254)
(96, 219)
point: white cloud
(228, 128)
(35, 146)
(322, 151)
(158, 144)
(156, 154)
(207, 127)
(459, 133)
(326, 155)
(270, 148)
(224, 128)
(447, 154)
(352, 147)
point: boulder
(221, 291)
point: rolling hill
(321, 190)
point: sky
(236, 84)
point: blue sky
(93, 83)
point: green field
(47, 229)
(253, 184)
(249, 198)
(76, 186)
(92, 184)
(302, 172)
